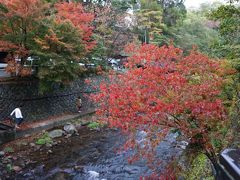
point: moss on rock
(200, 169)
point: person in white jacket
(17, 116)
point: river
(93, 155)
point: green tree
(150, 16)
(149, 20)
(18, 26)
(228, 47)
(58, 36)
(196, 30)
(173, 11)
(59, 52)
(112, 30)
(158, 18)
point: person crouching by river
(79, 104)
(18, 118)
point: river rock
(117, 170)
(79, 168)
(17, 168)
(48, 145)
(131, 169)
(68, 136)
(2, 153)
(24, 143)
(32, 144)
(37, 147)
(114, 129)
(59, 176)
(93, 175)
(6, 161)
(54, 143)
(14, 158)
(183, 144)
(70, 128)
(21, 163)
(97, 129)
(84, 123)
(78, 126)
(56, 133)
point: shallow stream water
(93, 155)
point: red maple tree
(75, 13)
(27, 24)
(163, 90)
(18, 24)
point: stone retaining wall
(37, 106)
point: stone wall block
(38, 106)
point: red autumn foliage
(75, 13)
(164, 90)
(20, 15)
(22, 21)
(14, 52)
(18, 22)
(6, 46)
(22, 8)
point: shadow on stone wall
(37, 106)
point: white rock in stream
(70, 128)
(183, 144)
(2, 153)
(93, 175)
(141, 138)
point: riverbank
(80, 155)
(28, 128)
(25, 152)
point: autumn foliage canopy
(75, 13)
(162, 91)
(58, 34)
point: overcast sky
(196, 3)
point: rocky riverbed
(85, 154)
